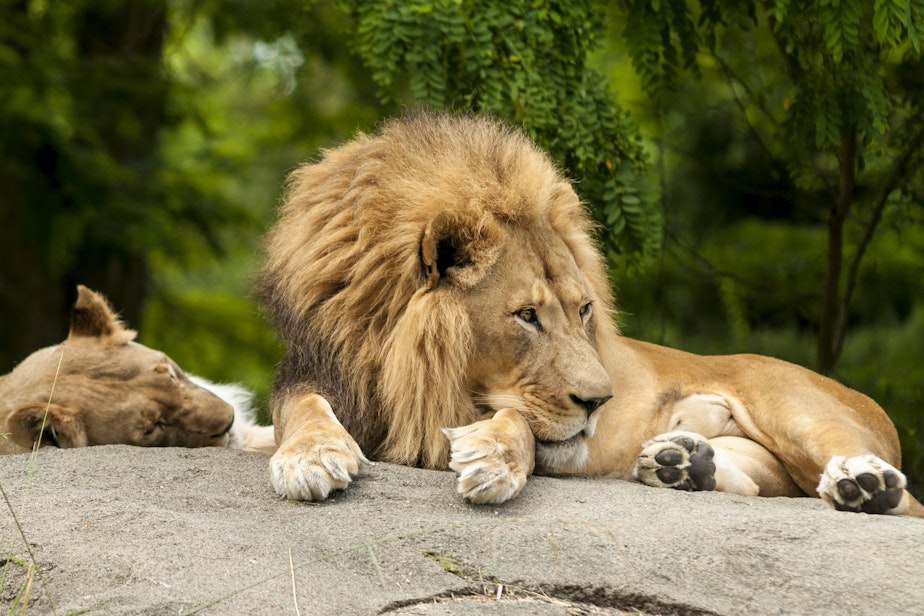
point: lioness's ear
(92, 316)
(62, 427)
(459, 247)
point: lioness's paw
(681, 460)
(488, 470)
(312, 470)
(862, 483)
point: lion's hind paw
(861, 483)
(680, 460)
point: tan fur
(441, 274)
(100, 387)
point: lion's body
(772, 397)
(100, 387)
(440, 274)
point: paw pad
(863, 483)
(683, 461)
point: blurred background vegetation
(757, 169)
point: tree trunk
(117, 86)
(122, 43)
(32, 308)
(833, 309)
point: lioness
(438, 279)
(99, 387)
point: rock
(173, 531)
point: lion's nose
(590, 404)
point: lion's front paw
(310, 469)
(681, 460)
(862, 483)
(492, 457)
(485, 474)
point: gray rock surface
(122, 530)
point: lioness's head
(99, 387)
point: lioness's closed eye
(104, 388)
(439, 279)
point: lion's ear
(93, 317)
(459, 248)
(61, 427)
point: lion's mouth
(567, 442)
(564, 454)
(584, 433)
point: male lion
(438, 279)
(99, 387)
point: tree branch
(731, 78)
(899, 173)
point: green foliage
(246, 111)
(836, 53)
(826, 90)
(772, 268)
(660, 38)
(87, 190)
(95, 116)
(526, 62)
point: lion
(443, 305)
(99, 387)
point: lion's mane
(365, 323)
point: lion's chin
(553, 456)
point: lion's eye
(585, 310)
(528, 315)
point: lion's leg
(754, 461)
(690, 461)
(316, 454)
(843, 451)
(493, 457)
(830, 443)
(707, 414)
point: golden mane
(366, 321)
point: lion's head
(433, 272)
(100, 387)
(534, 321)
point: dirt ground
(120, 530)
